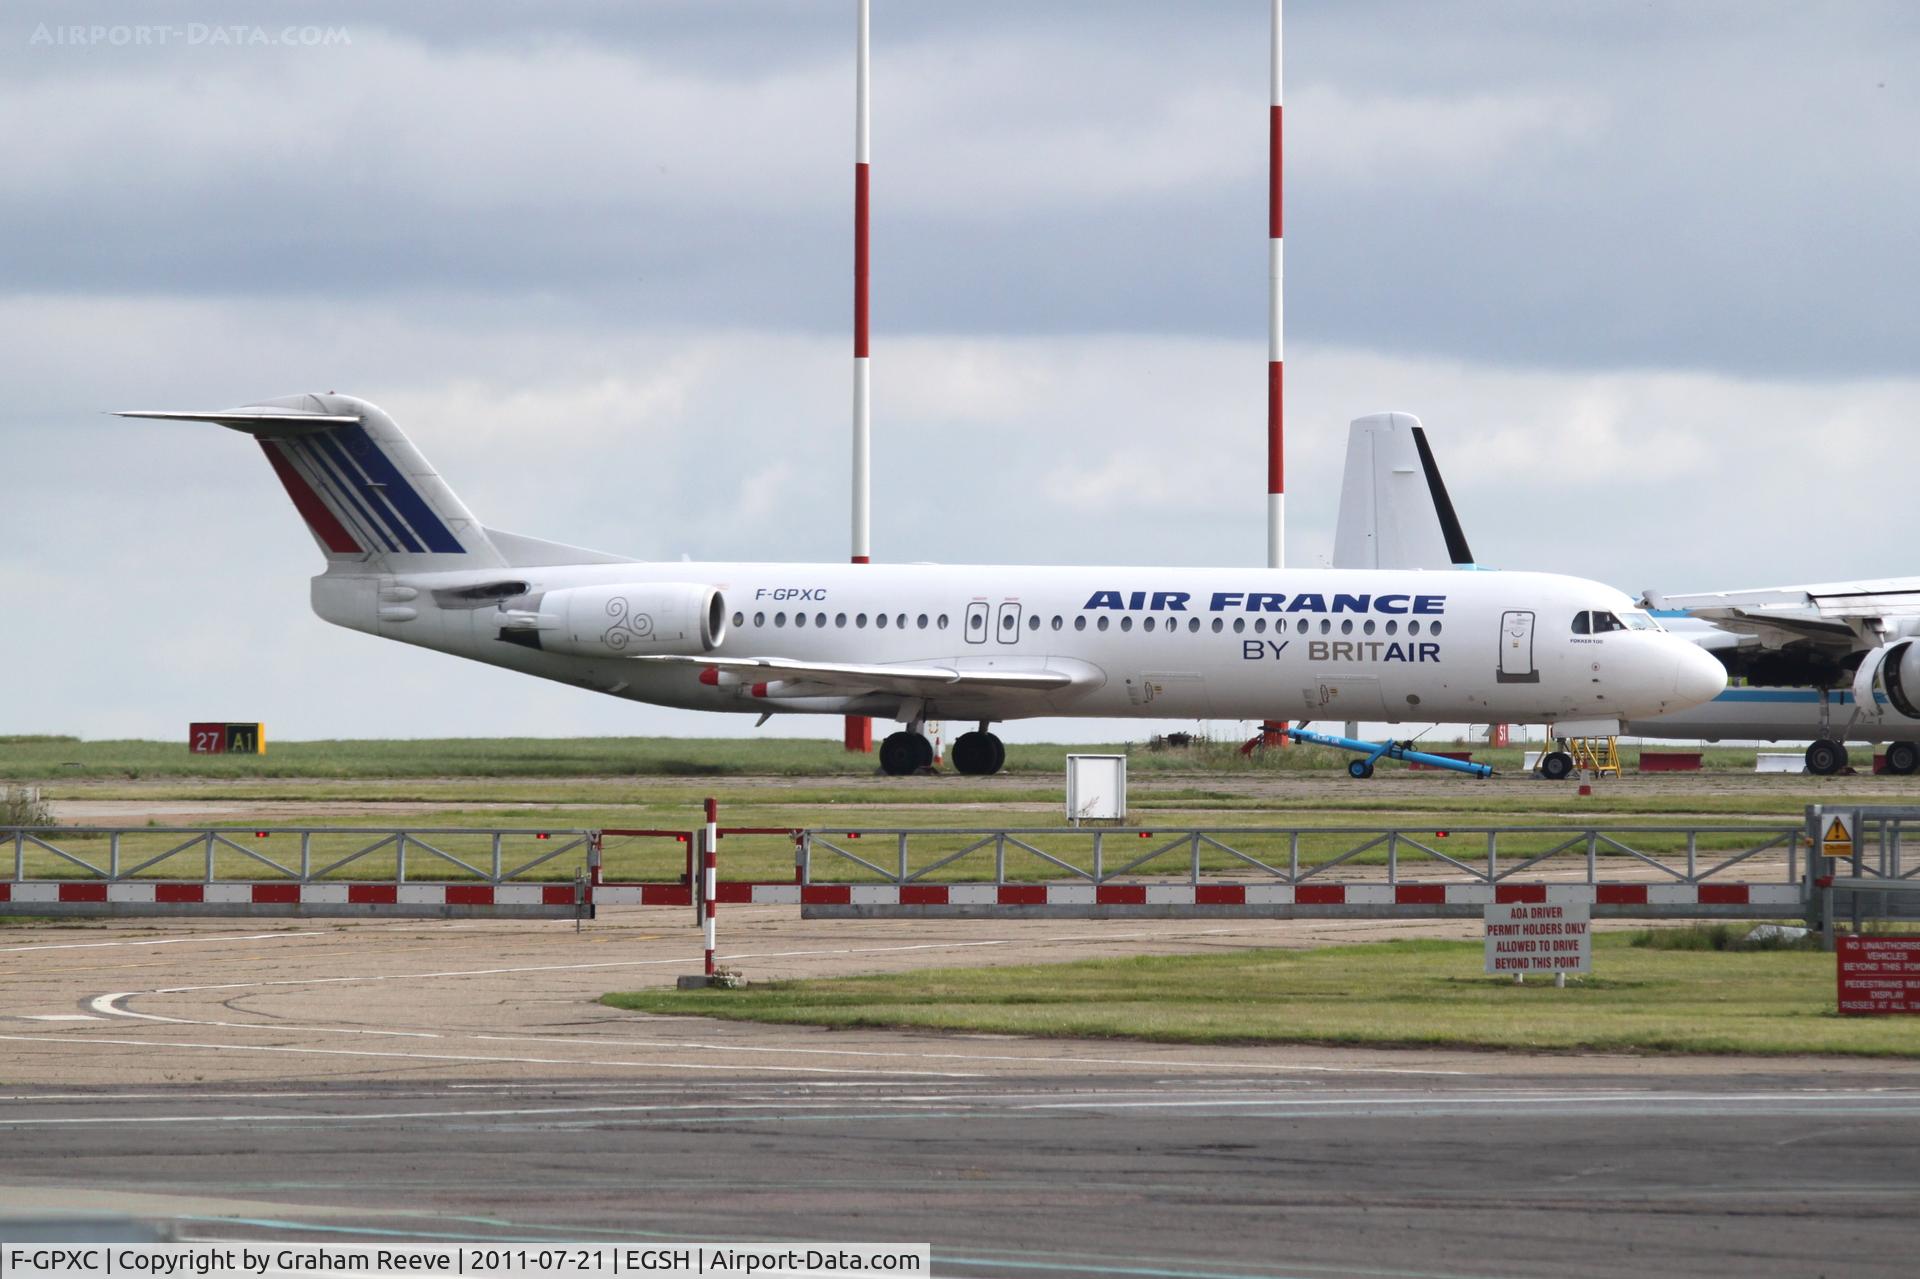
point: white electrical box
(1096, 788)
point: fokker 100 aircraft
(407, 561)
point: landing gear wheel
(1902, 757)
(978, 754)
(903, 753)
(1360, 769)
(1825, 758)
(1556, 766)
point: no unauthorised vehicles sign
(1539, 937)
(1878, 975)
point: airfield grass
(49, 757)
(1416, 994)
(788, 784)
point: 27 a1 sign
(1878, 975)
(227, 739)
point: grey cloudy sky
(1647, 273)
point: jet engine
(1896, 668)
(624, 620)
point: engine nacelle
(626, 620)
(1900, 676)
(1895, 668)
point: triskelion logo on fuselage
(627, 626)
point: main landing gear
(1902, 758)
(1826, 757)
(979, 753)
(905, 752)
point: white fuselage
(1183, 643)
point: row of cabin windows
(1240, 625)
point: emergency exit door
(1516, 649)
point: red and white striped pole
(710, 869)
(859, 729)
(1273, 733)
(1276, 439)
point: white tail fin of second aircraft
(1394, 508)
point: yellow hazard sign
(1837, 841)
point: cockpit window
(1599, 622)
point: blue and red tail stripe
(332, 533)
(354, 497)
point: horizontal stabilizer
(252, 421)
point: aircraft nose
(1698, 675)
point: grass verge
(1394, 994)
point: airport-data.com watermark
(197, 35)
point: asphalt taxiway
(451, 1080)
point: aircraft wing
(1837, 615)
(908, 680)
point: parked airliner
(407, 561)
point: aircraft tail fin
(367, 494)
(1394, 508)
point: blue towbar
(1391, 750)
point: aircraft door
(1007, 627)
(977, 622)
(1516, 649)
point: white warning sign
(1538, 937)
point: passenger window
(1126, 623)
(759, 619)
(799, 619)
(739, 619)
(1434, 629)
(880, 620)
(860, 620)
(901, 621)
(779, 619)
(1259, 626)
(1239, 625)
(1218, 626)
(942, 621)
(1413, 628)
(839, 619)
(1193, 624)
(1102, 623)
(1147, 625)
(1056, 621)
(819, 619)
(1080, 623)
(1393, 627)
(923, 621)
